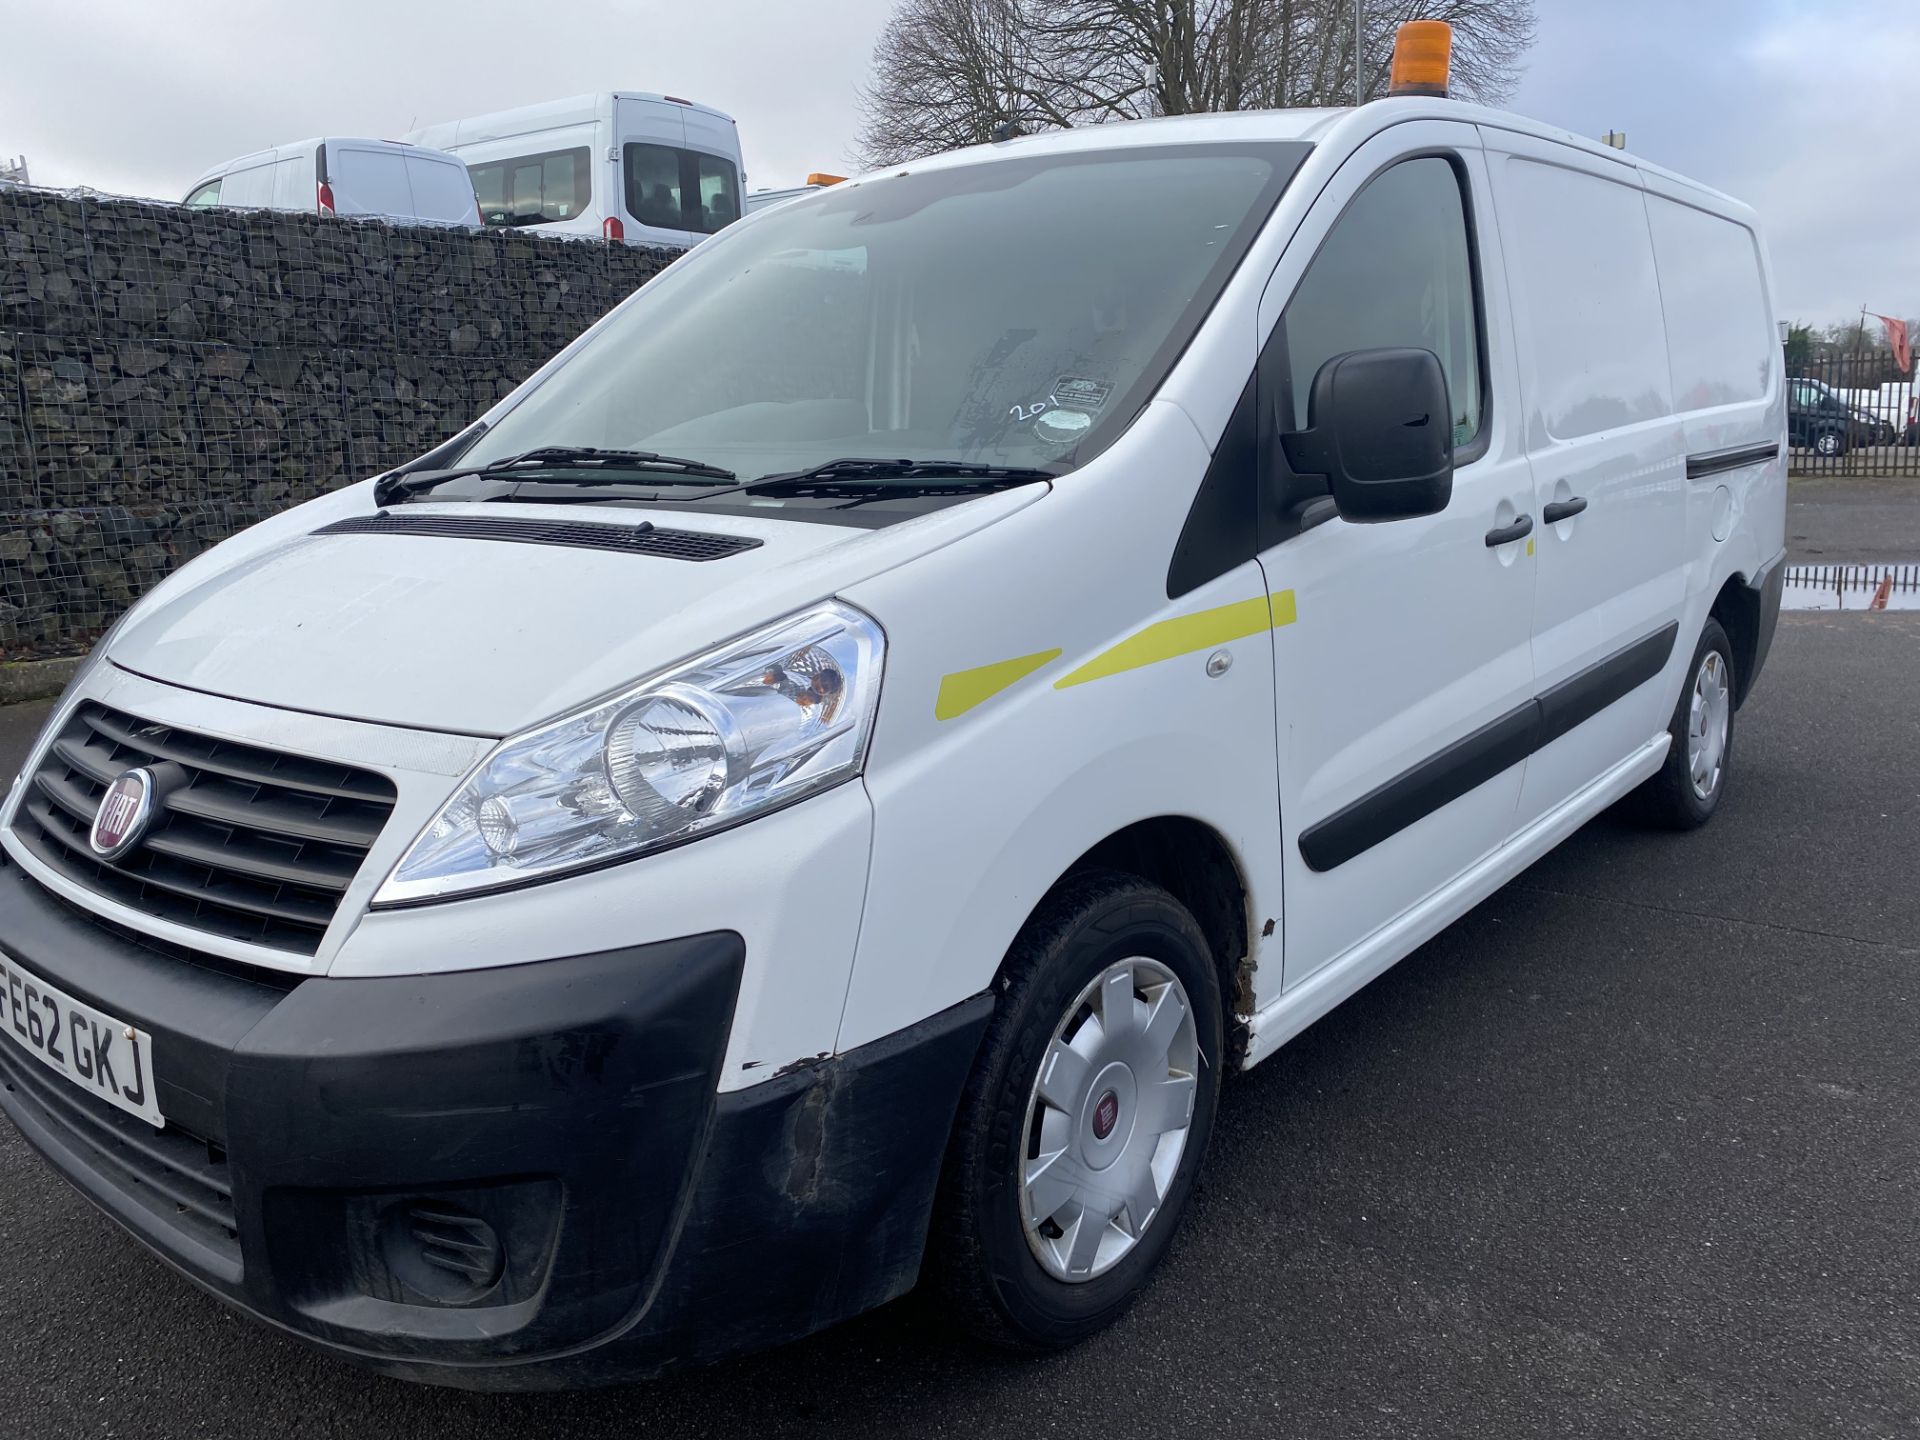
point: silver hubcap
(1108, 1118)
(1707, 721)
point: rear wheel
(1085, 1119)
(1687, 789)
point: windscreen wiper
(839, 478)
(604, 467)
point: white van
(643, 168)
(821, 786)
(761, 199)
(383, 179)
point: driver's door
(1404, 685)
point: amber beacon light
(1421, 53)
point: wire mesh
(171, 375)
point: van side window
(1395, 270)
(533, 189)
(207, 194)
(678, 189)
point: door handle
(1507, 534)
(1563, 510)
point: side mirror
(1380, 430)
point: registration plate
(100, 1054)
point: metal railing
(1852, 413)
(1851, 587)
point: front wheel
(1828, 442)
(1086, 1116)
(1687, 789)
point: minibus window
(1015, 313)
(1396, 270)
(653, 185)
(719, 193)
(533, 189)
(676, 189)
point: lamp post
(1359, 46)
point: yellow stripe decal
(1184, 634)
(964, 689)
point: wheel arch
(1193, 862)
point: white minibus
(647, 169)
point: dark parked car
(1824, 423)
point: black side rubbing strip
(1581, 697)
(1712, 462)
(1467, 763)
(1472, 760)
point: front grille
(643, 539)
(244, 843)
(180, 1179)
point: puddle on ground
(1851, 587)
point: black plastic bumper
(506, 1178)
(1766, 588)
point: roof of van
(548, 115)
(1349, 126)
(275, 152)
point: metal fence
(1851, 587)
(1852, 413)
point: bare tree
(950, 72)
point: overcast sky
(1803, 108)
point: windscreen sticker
(1077, 393)
(1072, 393)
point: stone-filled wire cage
(169, 376)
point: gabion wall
(169, 376)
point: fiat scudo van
(819, 789)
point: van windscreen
(1016, 312)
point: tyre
(1829, 442)
(1689, 786)
(1085, 1118)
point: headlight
(761, 722)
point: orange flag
(1902, 344)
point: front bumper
(550, 1132)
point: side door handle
(1507, 534)
(1563, 510)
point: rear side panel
(1728, 380)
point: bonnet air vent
(643, 539)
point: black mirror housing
(1380, 429)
